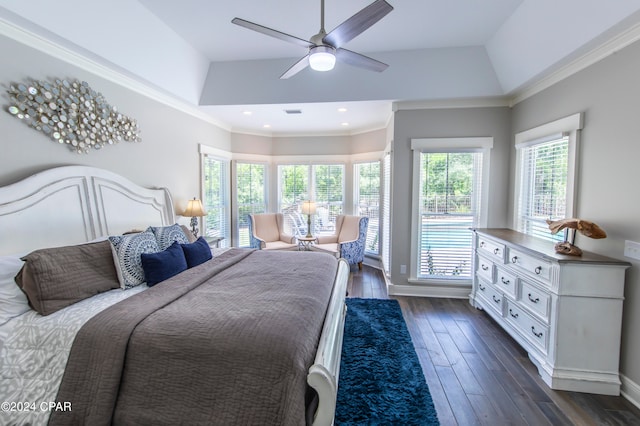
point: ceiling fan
(325, 48)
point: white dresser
(565, 311)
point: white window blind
(293, 187)
(250, 196)
(322, 183)
(449, 204)
(543, 190)
(216, 198)
(367, 200)
(328, 190)
(386, 209)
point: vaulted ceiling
(437, 51)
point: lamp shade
(194, 208)
(308, 207)
(322, 58)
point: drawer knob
(536, 300)
(512, 314)
(505, 282)
(496, 251)
(495, 299)
(538, 270)
(481, 287)
(514, 259)
(481, 243)
(484, 267)
(533, 330)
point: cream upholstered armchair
(348, 239)
(266, 232)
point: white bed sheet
(33, 354)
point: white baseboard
(630, 390)
(453, 292)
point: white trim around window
(569, 126)
(431, 145)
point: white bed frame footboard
(323, 374)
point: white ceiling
(437, 50)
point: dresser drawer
(485, 269)
(536, 300)
(491, 248)
(506, 282)
(532, 265)
(534, 331)
(492, 297)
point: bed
(246, 337)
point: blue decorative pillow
(126, 254)
(197, 252)
(163, 265)
(166, 235)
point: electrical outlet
(403, 269)
(632, 249)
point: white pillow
(13, 301)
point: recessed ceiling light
(266, 126)
(345, 124)
(247, 112)
(342, 109)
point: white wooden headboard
(74, 204)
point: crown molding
(99, 67)
(497, 101)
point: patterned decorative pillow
(166, 235)
(126, 254)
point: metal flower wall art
(586, 228)
(71, 113)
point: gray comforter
(227, 342)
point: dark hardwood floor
(478, 375)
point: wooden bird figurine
(586, 228)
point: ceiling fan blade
(271, 32)
(296, 68)
(360, 61)
(358, 23)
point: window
(322, 183)
(386, 215)
(251, 179)
(545, 176)
(216, 198)
(448, 200)
(367, 201)
(293, 185)
(328, 189)
(544, 185)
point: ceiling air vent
(293, 111)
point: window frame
(571, 126)
(481, 145)
(356, 198)
(311, 183)
(234, 195)
(225, 159)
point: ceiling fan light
(322, 58)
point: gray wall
(608, 93)
(167, 156)
(445, 123)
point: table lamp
(194, 210)
(308, 208)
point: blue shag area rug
(381, 381)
